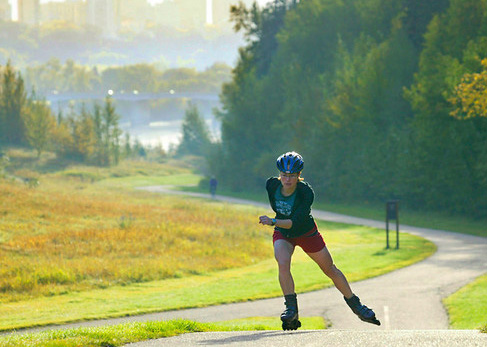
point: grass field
(83, 245)
(232, 285)
(66, 235)
(467, 307)
(375, 211)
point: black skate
(362, 311)
(290, 316)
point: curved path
(408, 298)
(408, 301)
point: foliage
(468, 98)
(110, 133)
(447, 156)
(196, 135)
(90, 137)
(361, 89)
(54, 76)
(39, 125)
(13, 100)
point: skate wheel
(293, 325)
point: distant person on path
(213, 185)
(291, 198)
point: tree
(469, 97)
(100, 155)
(260, 28)
(13, 100)
(418, 14)
(92, 138)
(84, 135)
(111, 132)
(39, 124)
(196, 136)
(445, 153)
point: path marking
(387, 323)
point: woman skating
(291, 199)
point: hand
(265, 220)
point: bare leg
(325, 262)
(283, 251)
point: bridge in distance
(131, 96)
(134, 106)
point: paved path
(408, 298)
(320, 338)
(407, 301)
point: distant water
(164, 133)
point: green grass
(119, 335)
(431, 220)
(468, 306)
(141, 180)
(358, 251)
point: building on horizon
(192, 13)
(72, 11)
(105, 15)
(135, 15)
(5, 10)
(29, 11)
(166, 14)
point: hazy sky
(151, 1)
(14, 4)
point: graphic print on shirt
(283, 207)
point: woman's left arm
(281, 223)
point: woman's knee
(283, 262)
(283, 253)
(331, 270)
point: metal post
(392, 208)
(387, 234)
(387, 226)
(397, 225)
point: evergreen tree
(13, 100)
(445, 152)
(84, 135)
(111, 132)
(196, 136)
(101, 156)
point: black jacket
(301, 212)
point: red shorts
(311, 242)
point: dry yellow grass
(70, 235)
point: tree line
(384, 99)
(27, 45)
(55, 76)
(89, 136)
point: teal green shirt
(284, 205)
(301, 207)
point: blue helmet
(290, 162)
